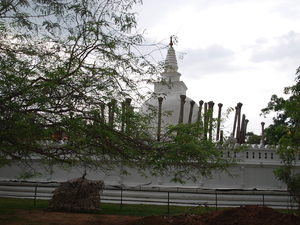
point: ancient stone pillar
(111, 112)
(192, 103)
(102, 108)
(262, 141)
(221, 137)
(247, 121)
(242, 134)
(128, 110)
(160, 100)
(181, 112)
(238, 129)
(219, 121)
(210, 114)
(123, 116)
(245, 129)
(199, 119)
(109, 105)
(205, 121)
(234, 123)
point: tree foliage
(286, 124)
(61, 61)
(185, 154)
(68, 70)
(285, 131)
(287, 173)
(252, 138)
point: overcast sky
(230, 51)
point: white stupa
(170, 88)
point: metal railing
(158, 195)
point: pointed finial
(171, 41)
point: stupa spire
(171, 41)
(171, 61)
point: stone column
(211, 111)
(112, 109)
(262, 141)
(219, 121)
(181, 112)
(127, 115)
(205, 121)
(221, 137)
(245, 130)
(192, 103)
(238, 129)
(242, 133)
(234, 123)
(160, 100)
(123, 116)
(199, 119)
(109, 105)
(102, 108)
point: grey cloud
(287, 9)
(211, 60)
(285, 47)
(154, 10)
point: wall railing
(159, 195)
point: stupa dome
(170, 89)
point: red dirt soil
(41, 217)
(246, 215)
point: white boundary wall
(253, 171)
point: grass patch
(147, 210)
(289, 211)
(10, 205)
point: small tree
(287, 173)
(185, 155)
(61, 63)
(286, 133)
(67, 71)
(252, 138)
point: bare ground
(245, 215)
(43, 217)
